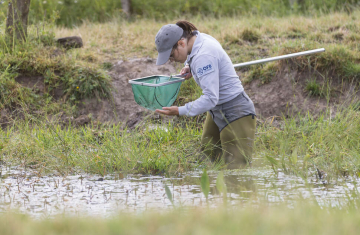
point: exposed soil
(123, 107)
(284, 95)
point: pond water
(91, 195)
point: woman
(229, 128)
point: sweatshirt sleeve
(206, 69)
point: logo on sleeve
(204, 70)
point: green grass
(300, 146)
(169, 149)
(77, 76)
(264, 73)
(304, 144)
(314, 88)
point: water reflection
(94, 195)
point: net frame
(153, 102)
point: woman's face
(180, 53)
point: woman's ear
(181, 42)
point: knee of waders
(237, 142)
(235, 157)
(211, 148)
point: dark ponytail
(188, 28)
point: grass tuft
(149, 149)
(250, 35)
(314, 88)
(265, 73)
(328, 142)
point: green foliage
(38, 56)
(13, 94)
(107, 65)
(168, 194)
(264, 73)
(221, 186)
(85, 82)
(205, 184)
(314, 88)
(75, 12)
(189, 91)
(305, 143)
(165, 149)
(337, 60)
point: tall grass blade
(205, 184)
(168, 194)
(221, 186)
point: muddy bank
(286, 94)
(122, 107)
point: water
(43, 196)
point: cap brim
(163, 57)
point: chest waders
(229, 129)
(229, 132)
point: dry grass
(120, 40)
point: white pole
(279, 57)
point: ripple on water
(88, 195)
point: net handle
(279, 57)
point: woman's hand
(170, 111)
(184, 70)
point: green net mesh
(156, 92)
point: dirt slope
(284, 95)
(123, 107)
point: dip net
(155, 92)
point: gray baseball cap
(165, 40)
